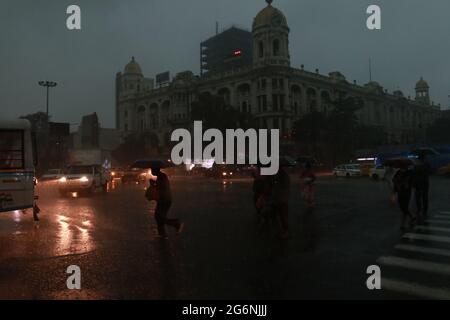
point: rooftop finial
(132, 58)
(269, 2)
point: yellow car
(444, 171)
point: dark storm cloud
(165, 35)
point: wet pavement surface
(221, 253)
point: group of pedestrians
(271, 196)
(411, 186)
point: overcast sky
(165, 35)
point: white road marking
(419, 249)
(417, 236)
(434, 221)
(415, 289)
(441, 216)
(417, 265)
(431, 228)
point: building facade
(273, 91)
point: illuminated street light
(48, 85)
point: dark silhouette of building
(227, 50)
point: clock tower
(270, 37)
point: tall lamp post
(48, 85)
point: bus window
(11, 149)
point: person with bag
(160, 192)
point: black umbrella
(151, 164)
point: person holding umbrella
(160, 192)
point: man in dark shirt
(421, 184)
(164, 203)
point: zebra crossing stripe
(431, 228)
(417, 265)
(419, 249)
(435, 221)
(441, 216)
(415, 289)
(429, 237)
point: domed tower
(422, 92)
(270, 37)
(132, 78)
(131, 81)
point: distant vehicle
(17, 165)
(83, 179)
(347, 170)
(224, 171)
(445, 171)
(117, 173)
(378, 172)
(134, 175)
(52, 174)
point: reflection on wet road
(221, 254)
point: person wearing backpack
(160, 192)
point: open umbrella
(151, 164)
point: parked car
(52, 174)
(347, 170)
(378, 172)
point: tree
(310, 131)
(215, 113)
(342, 128)
(137, 146)
(439, 131)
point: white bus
(17, 162)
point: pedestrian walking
(160, 191)
(279, 199)
(307, 179)
(421, 185)
(403, 188)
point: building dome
(422, 84)
(133, 67)
(269, 16)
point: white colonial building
(273, 91)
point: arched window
(261, 49)
(276, 47)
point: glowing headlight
(84, 179)
(63, 179)
(224, 173)
(231, 173)
(113, 173)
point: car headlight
(224, 173)
(84, 179)
(62, 179)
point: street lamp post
(48, 85)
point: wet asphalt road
(221, 254)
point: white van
(17, 165)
